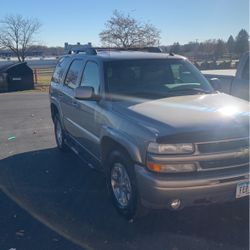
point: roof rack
(89, 50)
(143, 49)
(79, 48)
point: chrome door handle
(75, 104)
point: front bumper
(157, 190)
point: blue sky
(179, 20)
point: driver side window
(91, 76)
(182, 74)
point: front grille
(233, 162)
(213, 149)
(223, 146)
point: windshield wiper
(192, 91)
(147, 95)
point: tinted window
(73, 73)
(91, 76)
(245, 73)
(60, 69)
(154, 79)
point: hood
(212, 116)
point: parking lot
(62, 204)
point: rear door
(56, 87)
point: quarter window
(73, 73)
(91, 76)
(60, 69)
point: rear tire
(59, 134)
(122, 187)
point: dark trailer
(16, 76)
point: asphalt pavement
(52, 200)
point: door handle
(75, 104)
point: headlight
(180, 148)
(172, 167)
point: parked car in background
(156, 127)
(237, 85)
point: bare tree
(175, 48)
(125, 31)
(17, 34)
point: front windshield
(154, 79)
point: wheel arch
(112, 142)
(54, 110)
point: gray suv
(164, 137)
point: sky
(178, 20)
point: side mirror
(85, 93)
(216, 83)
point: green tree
(230, 45)
(241, 42)
(220, 49)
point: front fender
(125, 141)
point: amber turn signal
(154, 167)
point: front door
(88, 110)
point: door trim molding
(93, 136)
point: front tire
(121, 182)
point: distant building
(9, 53)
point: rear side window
(60, 69)
(73, 74)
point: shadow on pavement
(70, 198)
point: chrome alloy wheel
(121, 185)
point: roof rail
(79, 48)
(145, 49)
